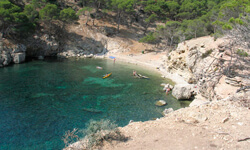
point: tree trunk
(118, 22)
(171, 41)
(146, 28)
(87, 20)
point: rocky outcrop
(18, 58)
(203, 62)
(183, 91)
(41, 45)
(167, 111)
(15, 53)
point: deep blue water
(40, 100)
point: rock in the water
(40, 57)
(19, 57)
(182, 91)
(167, 111)
(160, 103)
(6, 57)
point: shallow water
(40, 100)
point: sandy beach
(152, 61)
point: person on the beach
(114, 60)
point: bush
(242, 53)
(99, 131)
(207, 53)
(150, 38)
(70, 137)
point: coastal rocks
(198, 102)
(19, 48)
(233, 81)
(193, 58)
(40, 57)
(19, 58)
(161, 103)
(183, 91)
(12, 53)
(6, 58)
(41, 44)
(167, 111)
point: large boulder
(6, 58)
(182, 91)
(19, 57)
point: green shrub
(207, 53)
(242, 53)
(99, 131)
(150, 38)
(169, 57)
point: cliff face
(203, 62)
(11, 53)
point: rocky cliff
(204, 62)
(11, 53)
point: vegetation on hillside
(180, 19)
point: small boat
(107, 75)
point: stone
(198, 102)
(89, 56)
(167, 111)
(182, 91)
(108, 31)
(161, 103)
(19, 48)
(40, 57)
(19, 57)
(6, 57)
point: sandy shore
(152, 61)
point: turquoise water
(40, 100)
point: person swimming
(134, 72)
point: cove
(40, 100)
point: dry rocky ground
(217, 125)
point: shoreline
(156, 66)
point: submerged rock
(167, 111)
(160, 103)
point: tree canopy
(194, 18)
